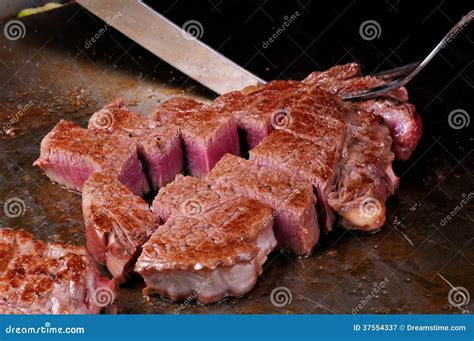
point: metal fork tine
(410, 70)
(396, 72)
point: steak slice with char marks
(206, 133)
(70, 154)
(117, 223)
(400, 117)
(292, 200)
(44, 278)
(158, 146)
(212, 245)
(254, 108)
(404, 124)
(366, 178)
(311, 161)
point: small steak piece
(206, 133)
(311, 161)
(292, 200)
(255, 109)
(366, 178)
(70, 154)
(42, 278)
(399, 116)
(344, 71)
(190, 197)
(208, 259)
(404, 124)
(117, 223)
(158, 146)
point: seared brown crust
(203, 225)
(194, 119)
(69, 138)
(36, 277)
(117, 222)
(314, 161)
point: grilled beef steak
(206, 133)
(158, 146)
(217, 231)
(212, 245)
(292, 200)
(42, 278)
(70, 154)
(400, 117)
(117, 223)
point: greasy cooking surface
(51, 75)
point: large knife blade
(172, 44)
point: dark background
(53, 70)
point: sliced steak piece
(158, 146)
(70, 154)
(188, 196)
(41, 278)
(206, 133)
(117, 223)
(400, 117)
(292, 200)
(367, 177)
(311, 161)
(208, 259)
(404, 124)
(344, 71)
(254, 109)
